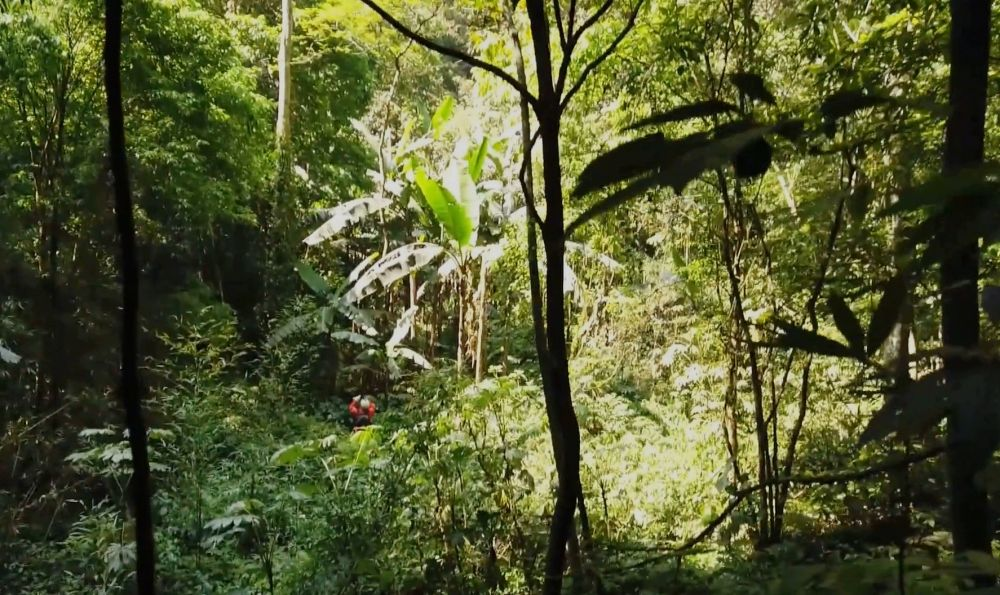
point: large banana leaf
(393, 267)
(314, 280)
(448, 210)
(344, 215)
(460, 184)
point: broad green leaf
(452, 216)
(313, 279)
(848, 324)
(459, 183)
(799, 338)
(886, 314)
(341, 216)
(291, 454)
(701, 109)
(477, 159)
(442, 115)
(753, 86)
(289, 328)
(682, 161)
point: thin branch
(572, 18)
(590, 22)
(803, 480)
(524, 176)
(141, 492)
(450, 52)
(590, 68)
(557, 9)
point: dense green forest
(650, 296)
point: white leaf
(591, 253)
(414, 357)
(393, 267)
(403, 326)
(356, 272)
(352, 337)
(346, 214)
(449, 266)
(569, 279)
(8, 356)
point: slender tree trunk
(283, 128)
(964, 139)
(141, 491)
(481, 330)
(460, 349)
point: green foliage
(781, 200)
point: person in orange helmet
(362, 411)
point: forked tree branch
(557, 10)
(451, 52)
(575, 36)
(590, 68)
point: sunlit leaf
(477, 159)
(343, 215)
(452, 215)
(442, 114)
(393, 267)
(291, 454)
(460, 184)
(403, 326)
(413, 356)
(8, 356)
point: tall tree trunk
(283, 129)
(141, 491)
(970, 43)
(481, 320)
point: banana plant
(334, 307)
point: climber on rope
(362, 410)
